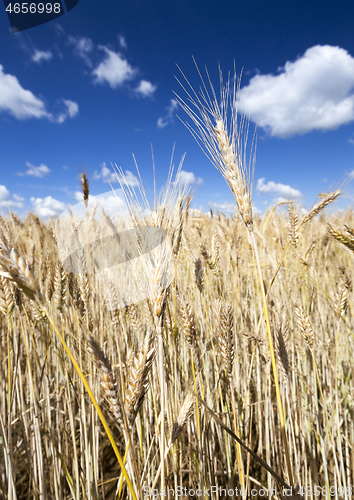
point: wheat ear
(346, 239)
(304, 324)
(225, 334)
(282, 337)
(341, 297)
(139, 380)
(190, 332)
(85, 187)
(320, 206)
(211, 259)
(293, 224)
(108, 381)
(15, 269)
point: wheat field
(214, 339)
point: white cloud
(225, 207)
(122, 42)
(115, 69)
(40, 171)
(229, 207)
(107, 175)
(168, 118)
(6, 201)
(280, 199)
(316, 92)
(130, 179)
(48, 206)
(30, 49)
(277, 189)
(78, 195)
(18, 198)
(112, 202)
(72, 109)
(41, 55)
(82, 47)
(145, 88)
(21, 103)
(188, 178)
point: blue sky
(96, 87)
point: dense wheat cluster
(214, 342)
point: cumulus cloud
(17, 101)
(316, 92)
(229, 207)
(41, 55)
(107, 175)
(48, 206)
(72, 106)
(72, 109)
(6, 201)
(188, 178)
(168, 118)
(78, 195)
(30, 49)
(283, 191)
(83, 46)
(113, 202)
(114, 69)
(40, 171)
(122, 42)
(145, 89)
(23, 104)
(225, 207)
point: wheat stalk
(226, 149)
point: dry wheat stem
(233, 435)
(273, 360)
(185, 413)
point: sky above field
(95, 87)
